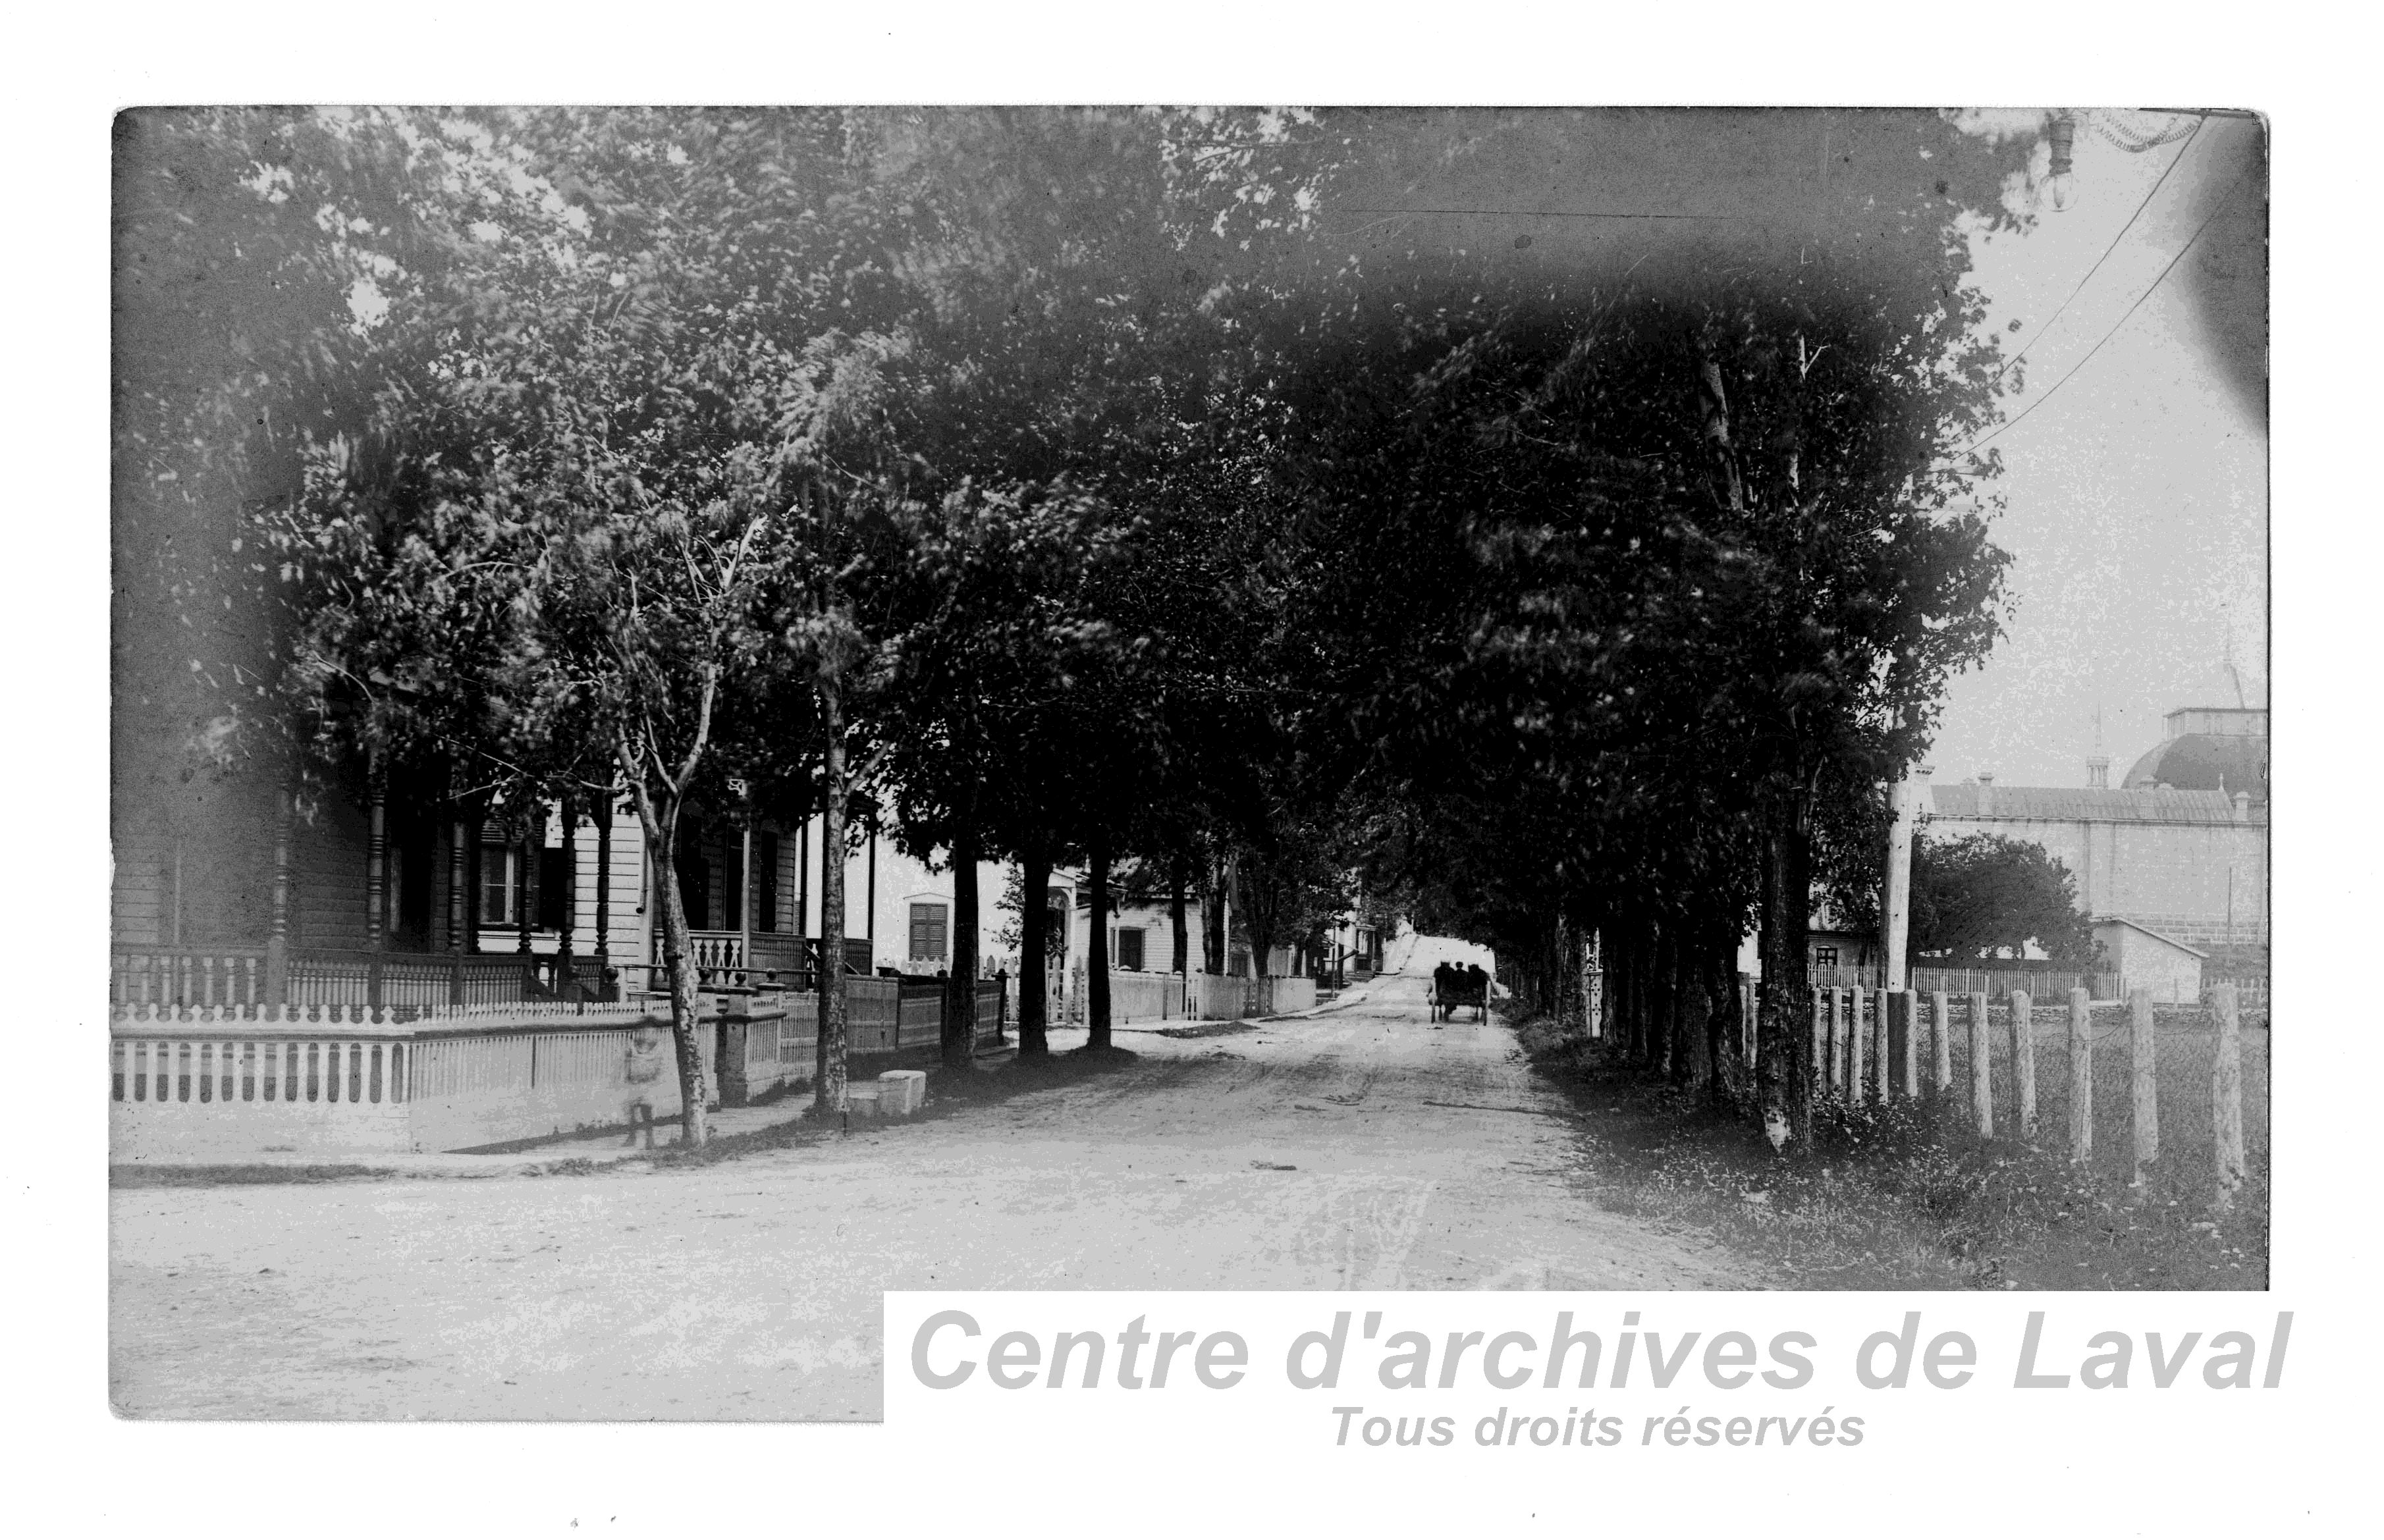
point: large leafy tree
(1681, 517)
(611, 477)
(1984, 896)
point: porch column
(277, 941)
(377, 870)
(744, 880)
(458, 904)
(802, 884)
(376, 886)
(524, 856)
(525, 847)
(603, 889)
(569, 814)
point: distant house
(2147, 959)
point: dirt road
(1364, 1148)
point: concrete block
(901, 1092)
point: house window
(930, 932)
(500, 884)
(1825, 957)
(1127, 951)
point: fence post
(1895, 1046)
(1836, 1078)
(2147, 1083)
(2227, 1098)
(1882, 1063)
(2081, 1075)
(1855, 1058)
(1940, 1036)
(2023, 1009)
(1982, 1096)
(1820, 1066)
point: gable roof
(2102, 920)
(2084, 805)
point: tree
(1985, 895)
(607, 482)
(1684, 539)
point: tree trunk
(660, 825)
(1215, 946)
(1783, 1026)
(1096, 948)
(1175, 911)
(1631, 998)
(1692, 1059)
(1721, 1021)
(828, 1061)
(1663, 976)
(1034, 951)
(960, 1002)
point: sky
(2133, 501)
(2136, 495)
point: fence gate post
(1856, 1060)
(1820, 1070)
(2023, 1038)
(2147, 1083)
(2082, 1077)
(1941, 1038)
(1883, 1064)
(1982, 1094)
(1837, 1076)
(1902, 1050)
(2227, 1098)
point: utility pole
(1896, 910)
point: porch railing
(187, 975)
(246, 976)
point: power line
(1976, 445)
(2113, 246)
(1553, 214)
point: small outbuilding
(2145, 959)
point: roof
(2205, 762)
(2081, 804)
(2102, 920)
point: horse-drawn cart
(1450, 995)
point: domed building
(2208, 749)
(2178, 849)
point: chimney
(2098, 773)
(2243, 807)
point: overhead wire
(2001, 429)
(2063, 307)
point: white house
(2147, 959)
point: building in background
(2179, 848)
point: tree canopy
(1200, 490)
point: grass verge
(239, 1176)
(1905, 1196)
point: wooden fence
(1871, 1047)
(1995, 983)
(236, 1081)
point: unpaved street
(1420, 1157)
